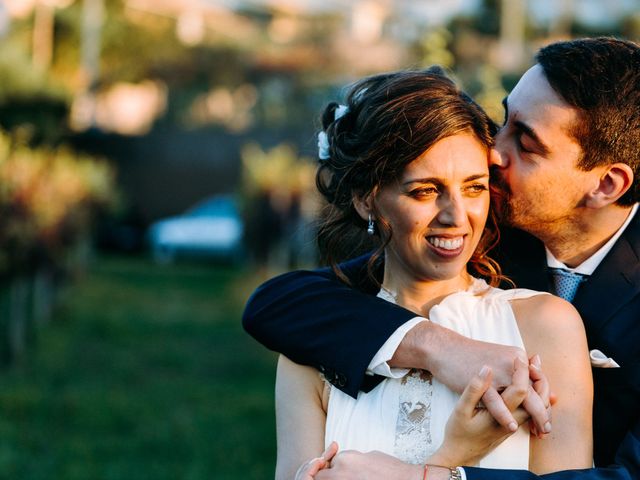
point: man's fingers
(515, 393)
(538, 411)
(539, 379)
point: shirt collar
(590, 264)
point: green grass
(144, 373)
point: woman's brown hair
(390, 120)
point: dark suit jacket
(314, 320)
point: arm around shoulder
(314, 319)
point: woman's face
(437, 210)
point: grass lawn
(145, 373)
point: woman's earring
(371, 227)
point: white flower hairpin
(323, 139)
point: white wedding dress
(406, 417)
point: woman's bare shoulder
(541, 316)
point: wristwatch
(455, 474)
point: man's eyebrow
(523, 127)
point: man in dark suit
(568, 180)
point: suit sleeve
(626, 467)
(314, 319)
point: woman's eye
(477, 188)
(424, 192)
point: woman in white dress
(407, 161)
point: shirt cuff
(379, 365)
(463, 474)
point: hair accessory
(323, 139)
(371, 228)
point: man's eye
(519, 143)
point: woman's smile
(447, 247)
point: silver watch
(455, 474)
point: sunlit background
(156, 165)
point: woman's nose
(452, 211)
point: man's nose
(495, 159)
(499, 155)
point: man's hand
(352, 465)
(538, 403)
(454, 360)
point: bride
(406, 161)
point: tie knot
(566, 283)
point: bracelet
(455, 474)
(426, 469)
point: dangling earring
(371, 227)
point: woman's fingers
(330, 452)
(308, 470)
(474, 391)
(495, 405)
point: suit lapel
(613, 283)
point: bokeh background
(156, 165)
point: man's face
(536, 181)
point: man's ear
(364, 206)
(614, 182)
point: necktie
(566, 283)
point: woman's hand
(308, 471)
(471, 432)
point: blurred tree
(434, 48)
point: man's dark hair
(600, 77)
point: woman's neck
(420, 295)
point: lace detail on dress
(413, 429)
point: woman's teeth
(446, 243)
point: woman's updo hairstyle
(388, 121)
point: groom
(568, 178)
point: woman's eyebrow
(438, 181)
(477, 176)
(423, 180)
